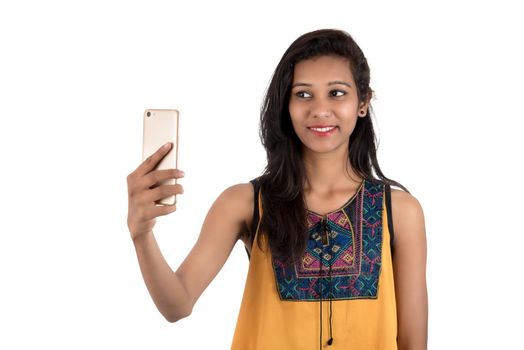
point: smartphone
(161, 126)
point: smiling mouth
(323, 131)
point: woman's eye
(337, 93)
(302, 94)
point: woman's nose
(320, 108)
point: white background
(75, 78)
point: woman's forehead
(322, 69)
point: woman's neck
(329, 172)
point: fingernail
(166, 146)
(182, 173)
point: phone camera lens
(148, 114)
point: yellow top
(272, 319)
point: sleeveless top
(340, 296)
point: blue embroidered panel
(342, 259)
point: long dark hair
(284, 217)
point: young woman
(337, 257)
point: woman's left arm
(409, 264)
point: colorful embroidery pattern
(343, 255)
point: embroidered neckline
(348, 267)
(343, 206)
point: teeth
(323, 129)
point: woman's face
(324, 104)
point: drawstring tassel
(330, 341)
(320, 320)
(324, 241)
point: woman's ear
(363, 106)
(363, 109)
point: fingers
(146, 187)
(158, 176)
(163, 191)
(151, 162)
(137, 184)
(162, 210)
(152, 212)
(142, 207)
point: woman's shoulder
(240, 200)
(239, 196)
(408, 216)
(405, 201)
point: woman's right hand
(142, 193)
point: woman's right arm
(175, 293)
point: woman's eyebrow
(300, 84)
(340, 82)
(335, 82)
